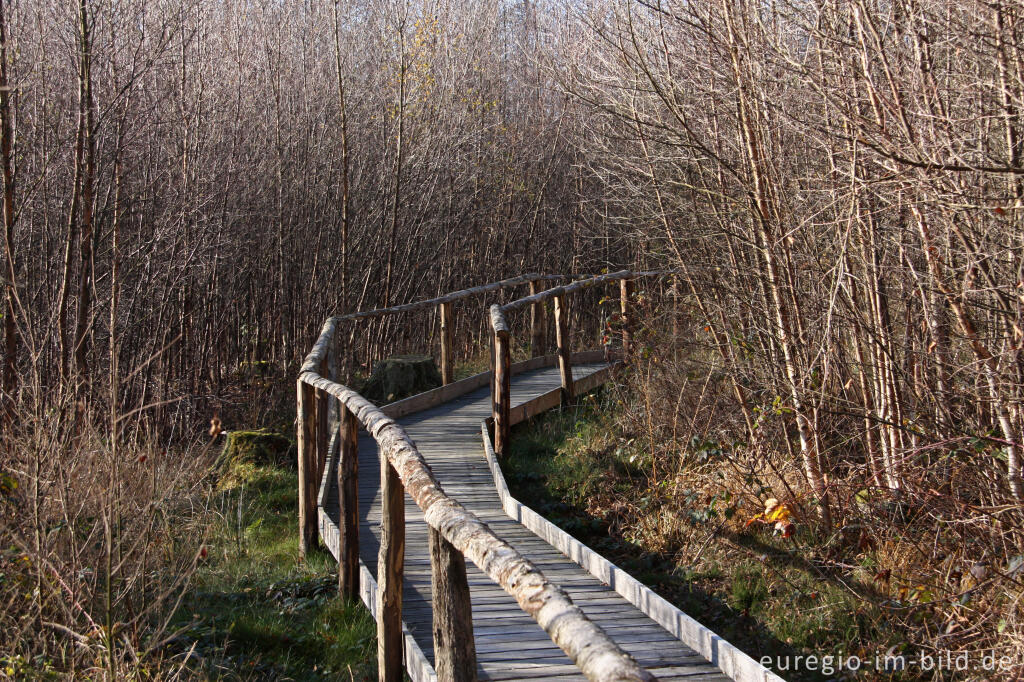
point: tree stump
(401, 376)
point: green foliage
(20, 667)
(748, 588)
(8, 484)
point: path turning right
(509, 644)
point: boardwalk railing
(501, 390)
(455, 532)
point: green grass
(765, 594)
(472, 366)
(254, 612)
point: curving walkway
(509, 644)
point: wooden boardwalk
(509, 644)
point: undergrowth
(132, 561)
(254, 612)
(684, 533)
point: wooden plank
(436, 396)
(562, 339)
(531, 408)
(592, 381)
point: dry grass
(93, 561)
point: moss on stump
(401, 376)
(258, 448)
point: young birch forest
(191, 186)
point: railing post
(502, 391)
(537, 321)
(333, 371)
(454, 648)
(323, 411)
(447, 361)
(306, 436)
(625, 294)
(390, 563)
(562, 338)
(491, 365)
(348, 504)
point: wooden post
(447, 361)
(562, 338)
(537, 321)
(333, 355)
(306, 428)
(454, 648)
(502, 390)
(348, 505)
(390, 564)
(494, 383)
(323, 436)
(625, 294)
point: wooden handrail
(500, 391)
(455, 532)
(598, 657)
(572, 288)
(448, 298)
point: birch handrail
(444, 306)
(449, 297)
(455, 532)
(501, 387)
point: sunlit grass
(255, 612)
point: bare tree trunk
(86, 110)
(9, 382)
(765, 213)
(399, 151)
(344, 165)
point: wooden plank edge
(329, 470)
(436, 396)
(736, 664)
(416, 663)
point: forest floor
(253, 612)
(765, 593)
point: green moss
(262, 447)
